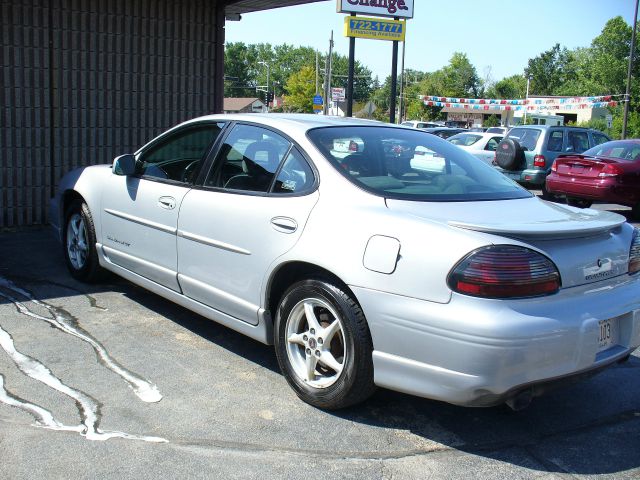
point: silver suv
(527, 152)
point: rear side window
(526, 137)
(555, 141)
(295, 175)
(465, 139)
(578, 141)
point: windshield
(629, 151)
(412, 165)
(526, 137)
(464, 139)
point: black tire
(509, 154)
(635, 211)
(81, 257)
(547, 195)
(354, 383)
(579, 202)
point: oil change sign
(374, 28)
(379, 8)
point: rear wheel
(79, 242)
(579, 202)
(323, 345)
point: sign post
(378, 29)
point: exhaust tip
(520, 401)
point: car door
(140, 211)
(488, 153)
(251, 209)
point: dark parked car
(608, 172)
(527, 152)
(444, 132)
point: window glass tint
(578, 141)
(413, 165)
(618, 149)
(295, 175)
(598, 138)
(179, 156)
(555, 141)
(526, 137)
(465, 139)
(248, 159)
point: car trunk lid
(580, 166)
(586, 245)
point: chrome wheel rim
(77, 245)
(315, 343)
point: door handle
(168, 203)
(284, 224)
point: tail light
(554, 166)
(610, 171)
(495, 158)
(634, 252)
(504, 271)
(539, 161)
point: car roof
(298, 121)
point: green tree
(300, 89)
(550, 70)
(514, 86)
(491, 121)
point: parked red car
(608, 172)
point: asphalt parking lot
(164, 393)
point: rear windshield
(629, 151)
(526, 137)
(411, 165)
(465, 139)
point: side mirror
(124, 165)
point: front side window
(179, 156)
(578, 141)
(413, 165)
(599, 138)
(248, 159)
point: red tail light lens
(505, 271)
(610, 171)
(539, 161)
(634, 253)
(554, 166)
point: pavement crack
(67, 323)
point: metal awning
(236, 7)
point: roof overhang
(237, 7)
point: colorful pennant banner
(516, 107)
(520, 101)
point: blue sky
(498, 36)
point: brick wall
(85, 81)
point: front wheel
(323, 345)
(79, 242)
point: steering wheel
(188, 172)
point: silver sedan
(454, 284)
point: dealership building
(86, 80)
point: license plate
(607, 333)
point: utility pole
(268, 75)
(627, 98)
(327, 77)
(526, 97)
(317, 73)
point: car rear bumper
(531, 176)
(603, 190)
(479, 352)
